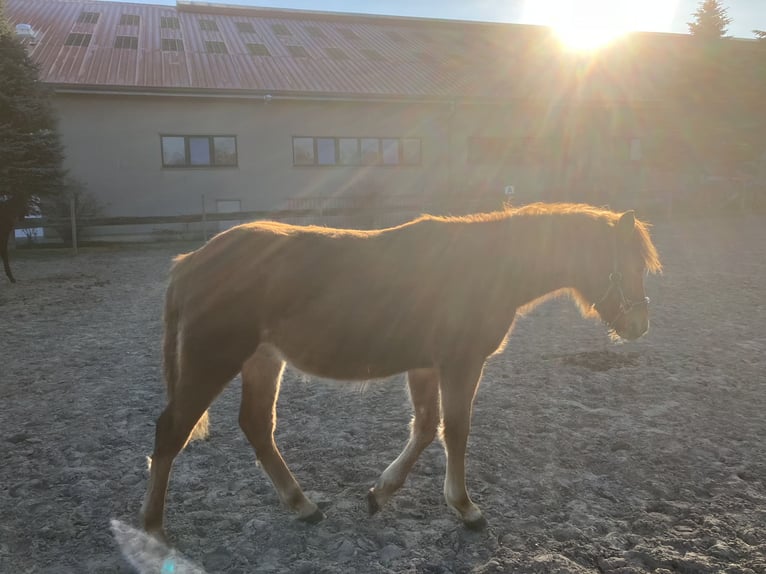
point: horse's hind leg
(194, 391)
(261, 378)
(424, 392)
(458, 383)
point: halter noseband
(626, 304)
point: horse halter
(626, 305)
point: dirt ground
(585, 455)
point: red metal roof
(419, 57)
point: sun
(586, 25)
(592, 24)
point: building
(164, 109)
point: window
(297, 51)
(315, 32)
(348, 151)
(257, 50)
(280, 30)
(370, 148)
(172, 45)
(356, 151)
(88, 17)
(208, 26)
(199, 151)
(225, 150)
(126, 42)
(80, 40)
(216, 48)
(390, 149)
(174, 151)
(326, 151)
(303, 151)
(336, 53)
(372, 54)
(245, 27)
(502, 150)
(169, 22)
(348, 34)
(130, 20)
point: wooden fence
(356, 213)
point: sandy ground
(586, 456)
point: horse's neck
(548, 253)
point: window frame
(217, 47)
(165, 45)
(130, 20)
(297, 51)
(78, 40)
(335, 53)
(257, 49)
(208, 25)
(279, 29)
(315, 32)
(88, 17)
(358, 159)
(244, 27)
(126, 43)
(187, 151)
(170, 23)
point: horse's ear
(626, 224)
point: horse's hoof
(372, 503)
(314, 518)
(476, 525)
(159, 535)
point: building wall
(113, 144)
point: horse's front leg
(261, 378)
(458, 383)
(424, 393)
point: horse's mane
(647, 249)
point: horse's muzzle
(633, 325)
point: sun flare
(593, 24)
(585, 25)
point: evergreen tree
(31, 153)
(710, 20)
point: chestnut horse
(434, 297)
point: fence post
(204, 220)
(73, 219)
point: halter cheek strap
(615, 284)
(626, 304)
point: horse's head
(618, 287)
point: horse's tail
(170, 359)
